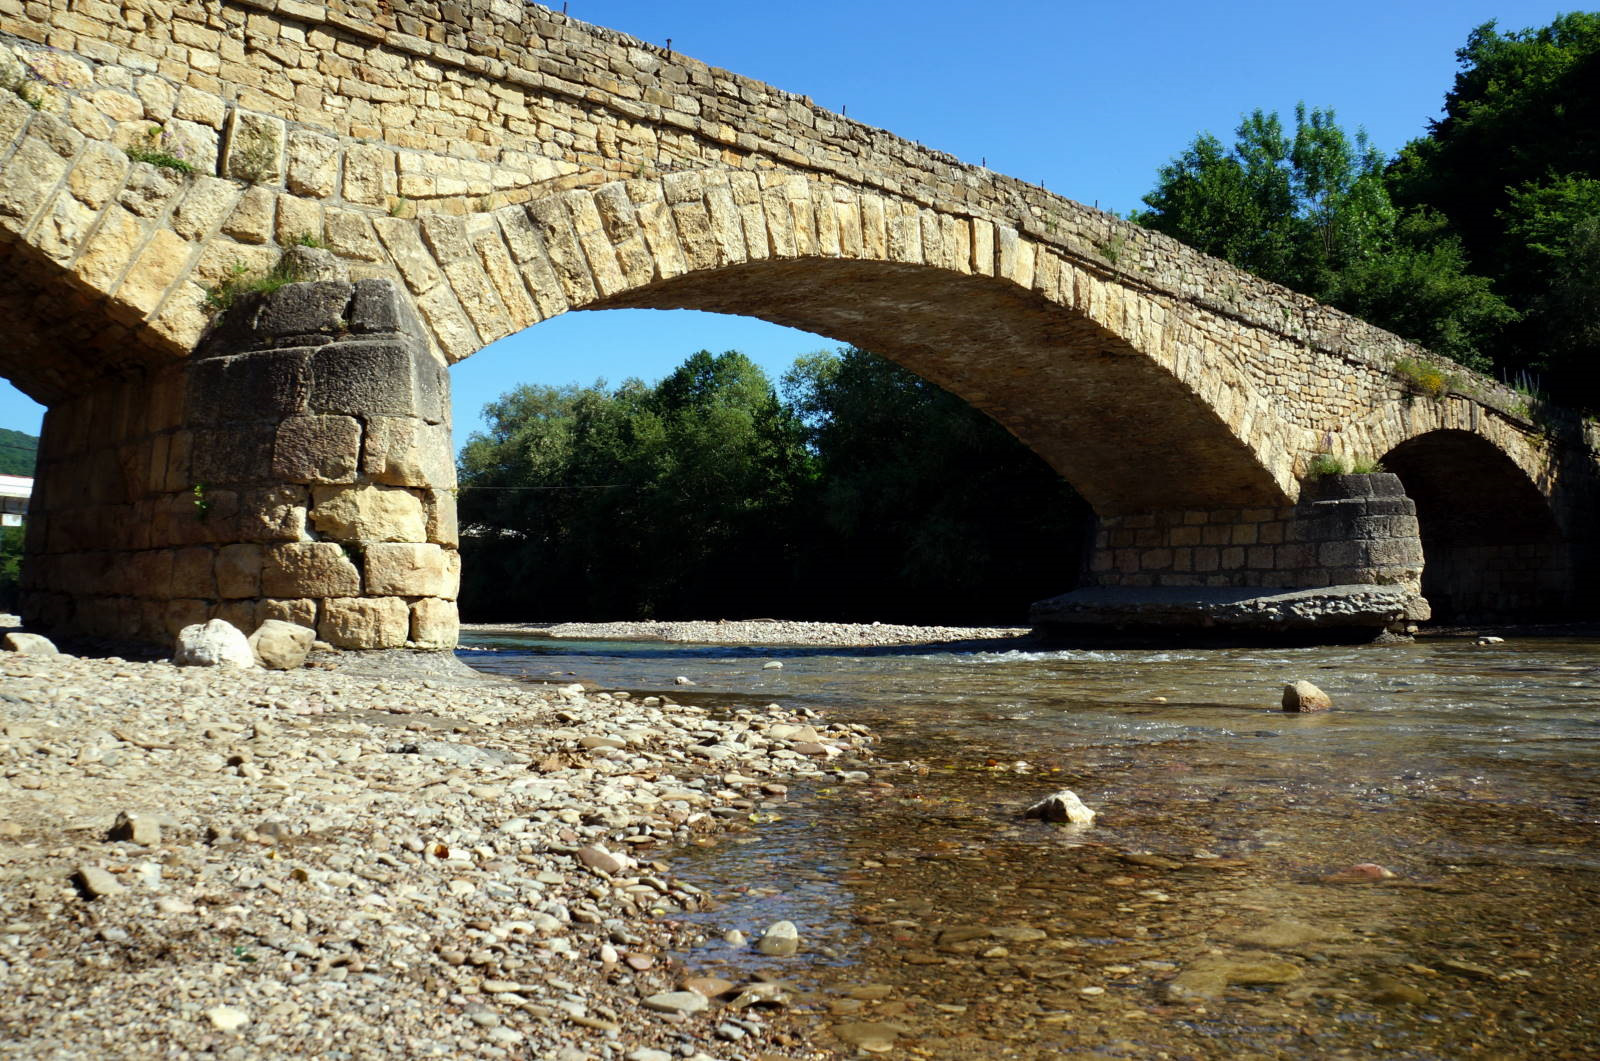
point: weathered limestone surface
(240, 492)
(477, 168)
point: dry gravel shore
(330, 864)
(764, 632)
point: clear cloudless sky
(1088, 98)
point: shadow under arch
(1491, 544)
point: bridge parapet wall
(356, 108)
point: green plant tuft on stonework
(18, 83)
(1366, 466)
(1324, 465)
(400, 206)
(240, 281)
(1425, 378)
(310, 239)
(158, 148)
(255, 159)
(1111, 249)
(202, 504)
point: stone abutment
(297, 467)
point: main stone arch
(465, 172)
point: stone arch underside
(1491, 543)
(1115, 423)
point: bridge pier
(297, 466)
(1349, 554)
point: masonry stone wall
(497, 164)
(1345, 530)
(298, 467)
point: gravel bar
(763, 632)
(336, 863)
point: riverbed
(1233, 897)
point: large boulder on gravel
(30, 644)
(213, 644)
(281, 646)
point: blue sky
(1090, 99)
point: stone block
(266, 385)
(254, 148)
(406, 451)
(238, 571)
(313, 168)
(317, 449)
(406, 569)
(314, 308)
(240, 454)
(365, 622)
(238, 613)
(308, 569)
(377, 306)
(368, 514)
(272, 514)
(192, 572)
(1245, 534)
(434, 623)
(378, 378)
(300, 612)
(442, 527)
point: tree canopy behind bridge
(1479, 241)
(862, 492)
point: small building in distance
(14, 493)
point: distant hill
(17, 452)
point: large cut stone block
(238, 571)
(406, 451)
(368, 514)
(365, 622)
(308, 569)
(315, 308)
(378, 378)
(317, 449)
(435, 623)
(407, 569)
(267, 385)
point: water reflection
(1210, 912)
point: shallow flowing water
(1209, 912)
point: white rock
(677, 1002)
(681, 680)
(772, 664)
(30, 644)
(226, 1018)
(1062, 806)
(780, 940)
(213, 644)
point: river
(1214, 909)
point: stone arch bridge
(440, 175)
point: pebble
(772, 664)
(227, 1018)
(780, 940)
(677, 1002)
(98, 882)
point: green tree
(1511, 166)
(639, 501)
(1312, 211)
(925, 506)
